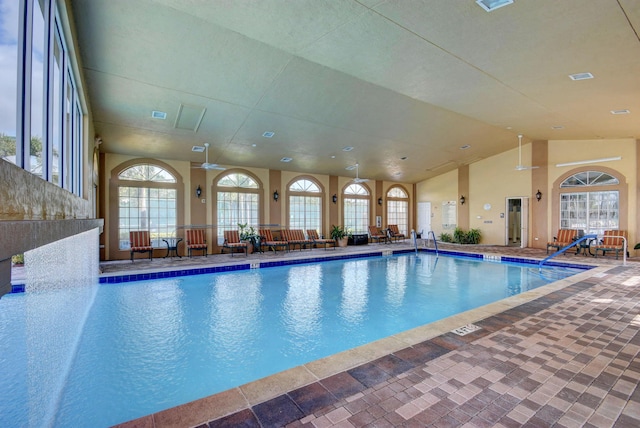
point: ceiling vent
(350, 167)
(625, 111)
(347, 149)
(286, 159)
(197, 149)
(158, 115)
(189, 117)
(491, 5)
(268, 134)
(581, 76)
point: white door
(424, 218)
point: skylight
(491, 5)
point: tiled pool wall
(131, 277)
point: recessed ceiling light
(347, 149)
(268, 134)
(581, 76)
(350, 168)
(286, 159)
(158, 115)
(491, 5)
(253, 145)
(197, 149)
(625, 111)
(557, 127)
(333, 156)
(465, 147)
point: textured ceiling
(392, 79)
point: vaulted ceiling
(406, 83)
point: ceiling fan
(358, 179)
(206, 164)
(521, 167)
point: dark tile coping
(117, 279)
(367, 375)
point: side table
(172, 246)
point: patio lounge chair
(376, 234)
(394, 232)
(140, 243)
(196, 240)
(612, 241)
(562, 239)
(313, 235)
(296, 237)
(232, 242)
(266, 240)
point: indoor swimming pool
(104, 354)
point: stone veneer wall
(34, 213)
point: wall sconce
(198, 191)
(538, 195)
(334, 198)
(379, 201)
(275, 196)
(462, 199)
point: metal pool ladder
(562, 250)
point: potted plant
(249, 235)
(340, 234)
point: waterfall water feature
(40, 329)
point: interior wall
(438, 190)
(491, 181)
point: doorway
(517, 222)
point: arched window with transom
(398, 209)
(305, 205)
(357, 199)
(590, 201)
(238, 202)
(147, 200)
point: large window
(398, 209)
(147, 200)
(9, 19)
(592, 211)
(305, 205)
(40, 108)
(356, 208)
(238, 202)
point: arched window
(238, 201)
(305, 205)
(398, 209)
(356, 208)
(585, 205)
(147, 200)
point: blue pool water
(101, 355)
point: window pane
(593, 212)
(36, 160)
(56, 112)
(234, 208)
(141, 208)
(147, 172)
(356, 215)
(9, 20)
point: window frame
(319, 195)
(358, 200)
(403, 227)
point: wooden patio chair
(266, 240)
(611, 242)
(317, 240)
(232, 242)
(196, 240)
(562, 239)
(140, 243)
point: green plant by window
(339, 232)
(446, 237)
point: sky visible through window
(8, 65)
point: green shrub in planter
(446, 237)
(18, 259)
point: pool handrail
(562, 250)
(435, 243)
